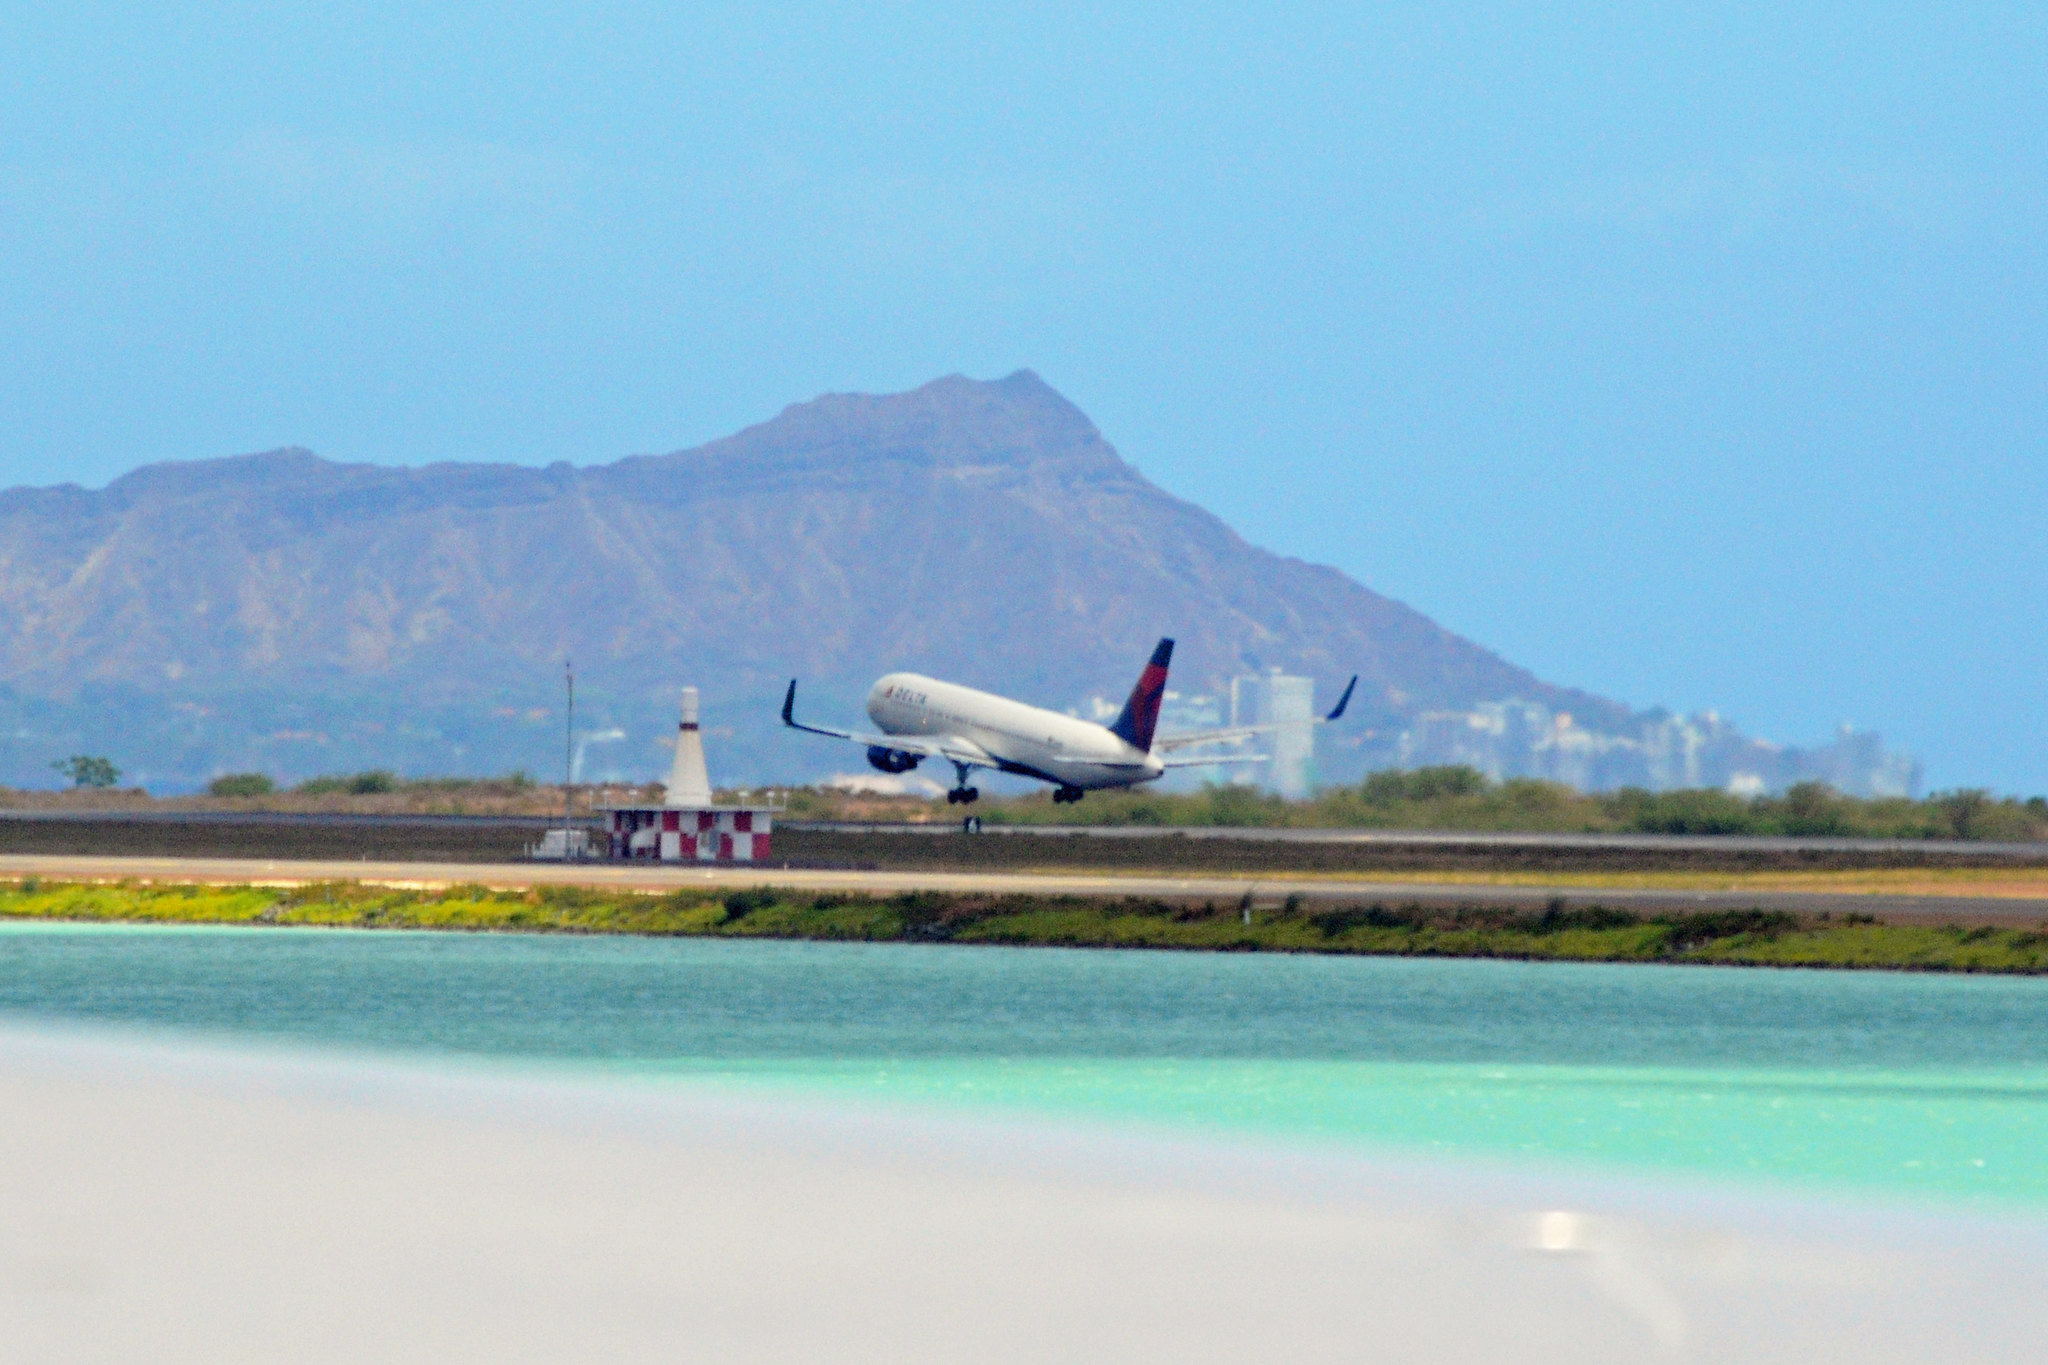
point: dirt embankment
(362, 835)
(113, 836)
(1169, 853)
(409, 798)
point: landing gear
(962, 794)
(1067, 795)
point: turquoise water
(1928, 1085)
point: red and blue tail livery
(1141, 713)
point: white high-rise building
(1281, 699)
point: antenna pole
(568, 755)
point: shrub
(740, 904)
(1422, 784)
(1962, 810)
(2004, 820)
(88, 770)
(356, 784)
(1532, 798)
(1699, 810)
(1557, 918)
(1813, 809)
(1972, 813)
(1335, 922)
(241, 784)
(1235, 805)
(1703, 927)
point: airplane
(920, 718)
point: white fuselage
(1064, 749)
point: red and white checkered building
(688, 826)
(671, 834)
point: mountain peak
(1018, 421)
(278, 611)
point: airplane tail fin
(1141, 713)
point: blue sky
(1699, 358)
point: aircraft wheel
(953, 797)
(970, 795)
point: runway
(1222, 890)
(1374, 838)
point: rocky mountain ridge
(285, 613)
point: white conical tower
(688, 783)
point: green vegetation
(375, 782)
(384, 782)
(1443, 798)
(241, 784)
(88, 770)
(1457, 798)
(511, 785)
(1747, 937)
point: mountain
(286, 613)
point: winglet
(1342, 701)
(789, 706)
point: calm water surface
(1932, 1085)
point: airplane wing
(1168, 743)
(952, 748)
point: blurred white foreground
(174, 1203)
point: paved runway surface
(170, 1203)
(1718, 843)
(1222, 890)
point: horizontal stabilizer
(1168, 743)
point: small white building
(688, 826)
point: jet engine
(892, 760)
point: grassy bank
(1755, 938)
(1448, 798)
